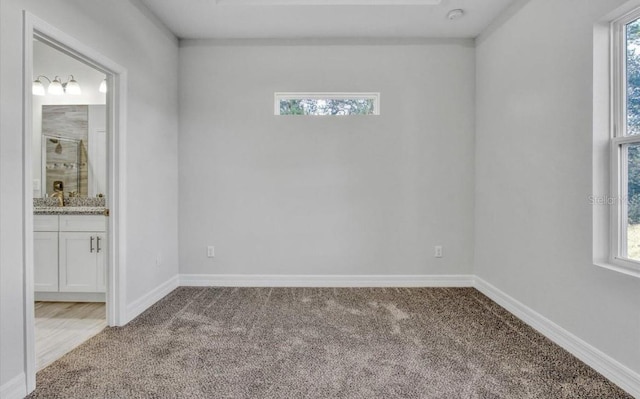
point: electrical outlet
(438, 251)
(158, 259)
(211, 251)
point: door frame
(116, 166)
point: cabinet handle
(98, 243)
(91, 244)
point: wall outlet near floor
(211, 252)
(158, 259)
(437, 251)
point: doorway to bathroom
(69, 146)
(73, 159)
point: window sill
(620, 268)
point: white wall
(121, 32)
(326, 195)
(533, 175)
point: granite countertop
(72, 206)
(70, 210)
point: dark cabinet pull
(91, 244)
(98, 243)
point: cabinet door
(45, 261)
(78, 262)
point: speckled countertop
(72, 206)
(70, 210)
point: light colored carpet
(322, 343)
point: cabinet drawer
(83, 223)
(45, 223)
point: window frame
(618, 143)
(279, 96)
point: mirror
(74, 149)
(69, 126)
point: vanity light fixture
(103, 86)
(56, 87)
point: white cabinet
(72, 258)
(82, 262)
(45, 261)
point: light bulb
(55, 87)
(37, 88)
(73, 87)
(103, 86)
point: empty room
(320, 199)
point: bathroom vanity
(70, 253)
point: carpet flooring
(322, 343)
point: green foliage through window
(633, 119)
(327, 106)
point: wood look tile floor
(62, 326)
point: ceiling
(295, 19)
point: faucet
(60, 196)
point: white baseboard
(69, 297)
(270, 280)
(618, 373)
(15, 388)
(141, 304)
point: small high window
(327, 104)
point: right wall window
(625, 141)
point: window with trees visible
(327, 104)
(625, 141)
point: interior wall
(534, 141)
(360, 195)
(121, 32)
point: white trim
(266, 280)
(328, 2)
(279, 96)
(149, 299)
(619, 268)
(116, 123)
(14, 388)
(610, 368)
(27, 210)
(331, 41)
(70, 296)
(117, 192)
